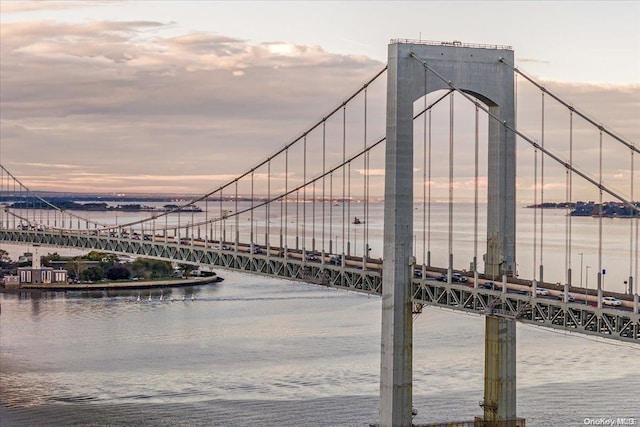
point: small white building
(36, 274)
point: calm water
(256, 351)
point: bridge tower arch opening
(414, 70)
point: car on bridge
(490, 285)
(310, 256)
(570, 297)
(335, 259)
(458, 278)
(542, 292)
(455, 278)
(611, 301)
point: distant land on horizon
(582, 208)
(62, 198)
(591, 208)
(111, 197)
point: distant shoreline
(130, 285)
(593, 209)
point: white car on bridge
(611, 301)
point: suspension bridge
(446, 231)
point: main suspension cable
(529, 140)
(571, 107)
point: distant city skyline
(180, 97)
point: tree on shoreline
(5, 259)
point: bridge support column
(499, 402)
(397, 325)
(415, 70)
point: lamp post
(586, 301)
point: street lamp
(586, 301)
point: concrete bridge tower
(476, 70)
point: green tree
(4, 257)
(92, 274)
(185, 269)
(118, 272)
(149, 268)
(103, 257)
(73, 268)
(46, 259)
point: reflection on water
(250, 351)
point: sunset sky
(171, 96)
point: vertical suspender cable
(206, 222)
(324, 196)
(344, 171)
(367, 248)
(429, 199)
(633, 212)
(313, 219)
(286, 202)
(475, 202)
(424, 178)
(251, 215)
(348, 239)
(297, 220)
(535, 213)
(450, 267)
(237, 235)
(267, 211)
(331, 216)
(221, 216)
(637, 217)
(365, 234)
(570, 201)
(304, 194)
(600, 278)
(542, 197)
(283, 201)
(2, 192)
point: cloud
(533, 60)
(34, 6)
(126, 107)
(105, 96)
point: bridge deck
(354, 274)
